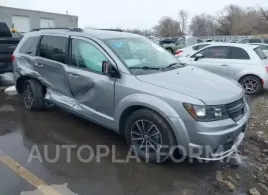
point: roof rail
(71, 29)
(118, 30)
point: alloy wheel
(146, 136)
(28, 96)
(250, 85)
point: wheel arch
(242, 77)
(21, 80)
(135, 102)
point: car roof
(98, 33)
(265, 44)
(234, 45)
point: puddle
(7, 108)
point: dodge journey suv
(133, 86)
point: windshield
(141, 52)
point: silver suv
(135, 87)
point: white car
(247, 64)
(263, 46)
(185, 52)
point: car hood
(208, 87)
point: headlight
(207, 113)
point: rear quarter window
(29, 46)
(239, 54)
(260, 53)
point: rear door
(239, 61)
(216, 59)
(93, 91)
(50, 64)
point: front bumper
(210, 140)
(6, 67)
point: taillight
(266, 68)
(178, 51)
(12, 57)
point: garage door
(21, 23)
(46, 23)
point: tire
(251, 84)
(170, 50)
(33, 95)
(157, 130)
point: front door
(215, 59)
(93, 91)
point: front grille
(236, 109)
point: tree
(183, 19)
(228, 18)
(203, 25)
(168, 27)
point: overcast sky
(141, 14)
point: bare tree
(262, 24)
(228, 18)
(168, 27)
(203, 25)
(183, 19)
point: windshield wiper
(144, 68)
(174, 64)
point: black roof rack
(118, 30)
(71, 29)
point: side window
(199, 41)
(254, 41)
(202, 46)
(217, 52)
(239, 54)
(244, 41)
(53, 48)
(29, 46)
(265, 41)
(86, 55)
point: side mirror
(108, 69)
(198, 56)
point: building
(24, 20)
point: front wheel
(150, 135)
(251, 84)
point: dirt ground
(249, 173)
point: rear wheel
(251, 84)
(33, 95)
(150, 135)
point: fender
(145, 100)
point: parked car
(143, 94)
(185, 52)
(168, 40)
(181, 43)
(254, 40)
(246, 64)
(264, 47)
(7, 46)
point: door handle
(73, 75)
(224, 64)
(38, 64)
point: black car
(8, 44)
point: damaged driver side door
(93, 91)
